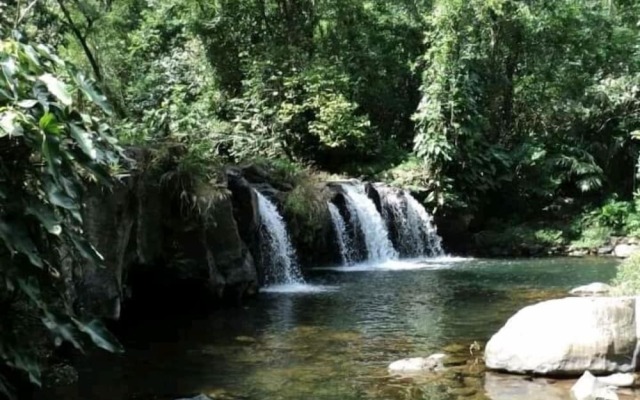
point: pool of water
(334, 340)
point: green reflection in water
(337, 344)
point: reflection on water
(335, 339)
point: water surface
(334, 341)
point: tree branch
(82, 40)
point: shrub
(593, 237)
(627, 280)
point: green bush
(627, 280)
(53, 139)
(520, 239)
(593, 237)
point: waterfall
(364, 214)
(344, 244)
(415, 234)
(421, 226)
(278, 255)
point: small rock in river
(589, 387)
(593, 289)
(418, 364)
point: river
(334, 340)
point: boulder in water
(592, 289)
(418, 364)
(567, 337)
(589, 387)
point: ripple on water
(300, 288)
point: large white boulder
(418, 364)
(625, 250)
(568, 337)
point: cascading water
(344, 244)
(278, 255)
(421, 226)
(415, 234)
(364, 213)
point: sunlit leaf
(49, 124)
(57, 88)
(27, 364)
(83, 139)
(27, 103)
(62, 329)
(86, 249)
(9, 124)
(88, 89)
(100, 336)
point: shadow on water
(335, 343)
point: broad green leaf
(86, 249)
(52, 156)
(59, 198)
(62, 329)
(57, 88)
(21, 361)
(83, 139)
(9, 70)
(49, 124)
(96, 169)
(100, 336)
(32, 55)
(16, 238)
(46, 216)
(47, 53)
(90, 92)
(31, 288)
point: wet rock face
(566, 337)
(152, 244)
(109, 220)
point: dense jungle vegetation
(519, 115)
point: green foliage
(521, 239)
(613, 215)
(499, 117)
(593, 237)
(627, 280)
(52, 138)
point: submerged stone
(593, 289)
(418, 364)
